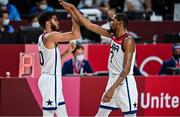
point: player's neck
(120, 32)
(47, 30)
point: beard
(54, 27)
(112, 30)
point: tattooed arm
(129, 48)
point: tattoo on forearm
(120, 79)
(123, 74)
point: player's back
(116, 56)
(49, 58)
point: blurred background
(154, 24)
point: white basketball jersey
(116, 56)
(49, 58)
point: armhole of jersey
(42, 38)
(122, 47)
(126, 36)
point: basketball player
(121, 90)
(50, 82)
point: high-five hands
(69, 8)
(66, 5)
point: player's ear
(48, 23)
(120, 23)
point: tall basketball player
(50, 82)
(121, 90)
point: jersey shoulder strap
(120, 40)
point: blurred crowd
(135, 9)
(95, 10)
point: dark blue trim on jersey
(108, 107)
(43, 36)
(61, 103)
(130, 112)
(55, 77)
(41, 57)
(128, 93)
(49, 108)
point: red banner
(157, 96)
(149, 57)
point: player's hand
(72, 46)
(108, 96)
(66, 5)
(69, 7)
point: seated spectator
(172, 65)
(104, 7)
(86, 4)
(90, 10)
(33, 20)
(135, 8)
(13, 12)
(164, 8)
(137, 5)
(77, 65)
(5, 26)
(117, 4)
(41, 5)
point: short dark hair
(4, 12)
(78, 46)
(45, 16)
(122, 17)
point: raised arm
(88, 24)
(64, 37)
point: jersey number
(112, 55)
(41, 58)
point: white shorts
(125, 96)
(50, 87)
